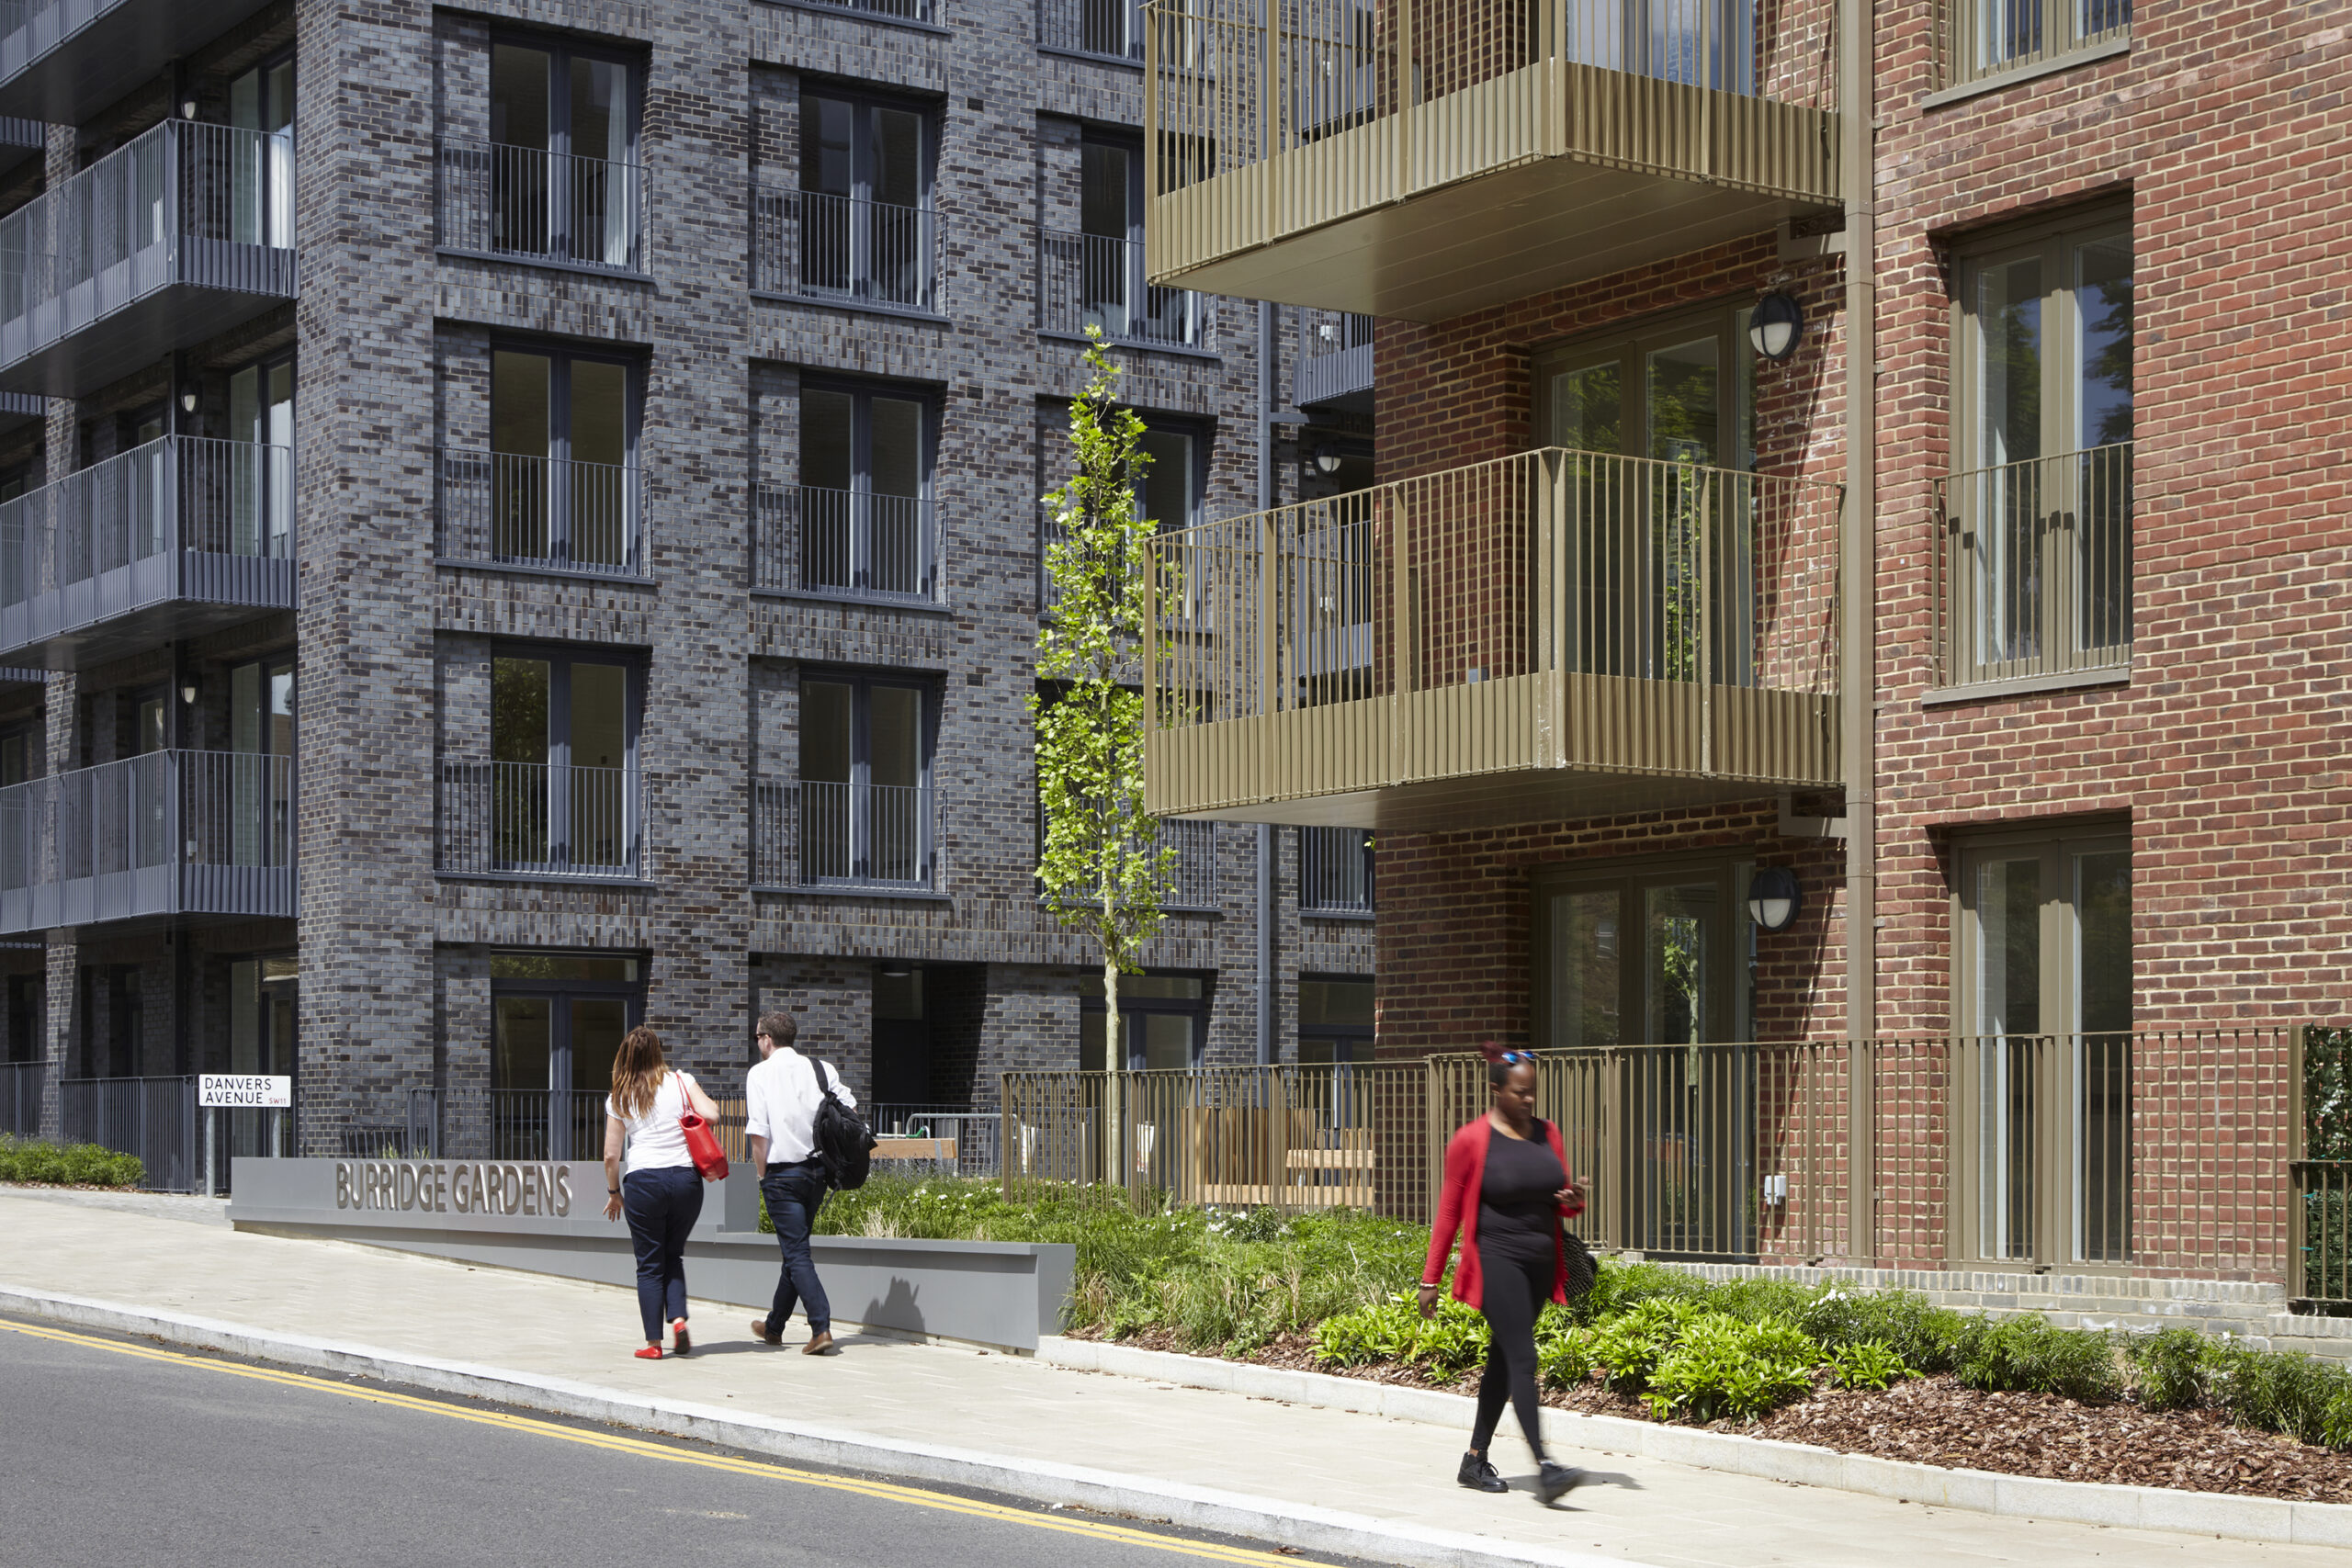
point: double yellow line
(914, 1496)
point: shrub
(1565, 1358)
(1871, 1364)
(2172, 1370)
(1719, 1365)
(2282, 1391)
(1630, 1344)
(1753, 1301)
(1618, 1287)
(1382, 1332)
(75, 1165)
(2026, 1355)
(1927, 1338)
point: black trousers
(1515, 1292)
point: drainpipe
(1267, 404)
(1857, 573)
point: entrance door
(263, 1003)
(557, 1021)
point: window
(1990, 37)
(2037, 563)
(259, 457)
(557, 1020)
(1168, 494)
(1165, 1019)
(563, 461)
(1335, 871)
(2044, 1047)
(865, 781)
(1334, 1021)
(865, 496)
(260, 764)
(25, 994)
(1094, 277)
(261, 104)
(560, 179)
(866, 230)
(563, 767)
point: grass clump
(67, 1164)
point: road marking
(759, 1469)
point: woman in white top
(661, 1191)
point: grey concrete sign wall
(547, 1218)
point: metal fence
(155, 1119)
(845, 544)
(964, 1140)
(1111, 28)
(22, 1087)
(2033, 567)
(1097, 280)
(539, 819)
(180, 492)
(2322, 1214)
(528, 204)
(513, 1125)
(924, 11)
(1191, 880)
(1335, 871)
(848, 248)
(809, 834)
(555, 513)
(1980, 38)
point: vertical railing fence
(23, 1086)
(1335, 871)
(849, 249)
(552, 513)
(966, 1138)
(528, 204)
(155, 1119)
(539, 819)
(845, 544)
(807, 833)
(1097, 280)
(2033, 567)
(1109, 28)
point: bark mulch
(1936, 1421)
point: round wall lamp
(1773, 898)
(1327, 460)
(188, 109)
(896, 969)
(1776, 326)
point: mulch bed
(1936, 1421)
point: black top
(1517, 1213)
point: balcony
(1422, 163)
(1334, 363)
(851, 838)
(540, 821)
(179, 537)
(843, 250)
(521, 512)
(1096, 280)
(845, 544)
(1103, 29)
(1553, 635)
(2033, 584)
(1190, 885)
(64, 61)
(166, 833)
(186, 231)
(21, 140)
(526, 204)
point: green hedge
(70, 1164)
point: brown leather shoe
(760, 1332)
(819, 1344)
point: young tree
(1102, 863)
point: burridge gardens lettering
(472, 1188)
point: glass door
(261, 103)
(264, 1008)
(261, 473)
(261, 763)
(557, 1022)
(562, 739)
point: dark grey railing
(1095, 280)
(155, 1119)
(1334, 356)
(1335, 871)
(506, 509)
(809, 834)
(210, 205)
(841, 247)
(528, 204)
(1110, 28)
(972, 1134)
(925, 11)
(1192, 881)
(22, 1085)
(539, 819)
(845, 544)
(169, 833)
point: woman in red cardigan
(1507, 1189)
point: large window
(2037, 557)
(865, 496)
(260, 459)
(1094, 276)
(563, 460)
(563, 790)
(1335, 1019)
(260, 764)
(1991, 38)
(557, 1020)
(865, 809)
(563, 182)
(2043, 1074)
(262, 187)
(866, 224)
(1165, 1018)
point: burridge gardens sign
(471, 1187)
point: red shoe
(650, 1353)
(685, 1341)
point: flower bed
(66, 1165)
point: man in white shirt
(781, 1097)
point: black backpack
(844, 1143)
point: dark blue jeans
(661, 1206)
(793, 1193)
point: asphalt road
(117, 1453)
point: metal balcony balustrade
(1097, 280)
(1108, 29)
(166, 540)
(165, 833)
(173, 239)
(22, 1087)
(2033, 570)
(1424, 160)
(545, 513)
(847, 250)
(850, 836)
(1335, 871)
(1560, 634)
(923, 11)
(1191, 884)
(843, 544)
(540, 820)
(526, 204)
(1334, 361)
(64, 61)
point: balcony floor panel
(144, 605)
(81, 56)
(150, 893)
(79, 359)
(1498, 800)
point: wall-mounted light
(188, 109)
(1773, 897)
(896, 969)
(1776, 326)
(187, 400)
(188, 693)
(1327, 460)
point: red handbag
(702, 1145)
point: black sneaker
(1478, 1475)
(1554, 1482)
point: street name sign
(268, 1092)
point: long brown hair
(637, 1071)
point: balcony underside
(156, 892)
(141, 605)
(78, 57)
(1525, 748)
(1519, 184)
(172, 296)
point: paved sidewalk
(1027, 1412)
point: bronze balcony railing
(2033, 569)
(1982, 40)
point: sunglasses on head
(1512, 1058)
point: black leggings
(1515, 1292)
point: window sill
(2023, 73)
(1347, 917)
(854, 306)
(1144, 344)
(1093, 59)
(855, 15)
(853, 890)
(855, 602)
(568, 574)
(2027, 686)
(547, 264)
(550, 879)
